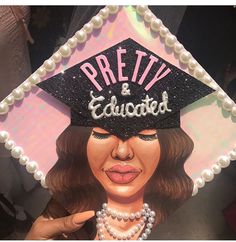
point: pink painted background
(35, 122)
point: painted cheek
(99, 151)
(148, 153)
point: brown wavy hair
(74, 186)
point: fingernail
(84, 216)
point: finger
(68, 224)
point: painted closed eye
(100, 135)
(148, 137)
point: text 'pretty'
(108, 74)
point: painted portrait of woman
(120, 167)
(147, 168)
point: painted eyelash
(147, 137)
(100, 135)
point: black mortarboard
(125, 89)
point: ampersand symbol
(125, 91)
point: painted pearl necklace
(146, 215)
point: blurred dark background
(209, 33)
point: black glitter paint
(73, 88)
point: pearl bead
(142, 222)
(31, 166)
(108, 211)
(104, 13)
(49, 65)
(163, 31)
(72, 42)
(101, 237)
(129, 236)
(132, 233)
(18, 93)
(145, 206)
(119, 236)
(149, 225)
(214, 85)
(139, 226)
(104, 205)
(151, 220)
(57, 57)
(148, 16)
(81, 36)
(38, 175)
(141, 9)
(119, 216)
(10, 99)
(41, 71)
(113, 9)
(126, 216)
(232, 155)
(178, 48)
(152, 214)
(184, 57)
(17, 151)
(223, 161)
(233, 111)
(144, 236)
(147, 231)
(4, 108)
(220, 94)
(23, 160)
(9, 144)
(88, 28)
(200, 182)
(207, 175)
(65, 51)
(26, 85)
(99, 219)
(207, 79)
(192, 64)
(227, 104)
(99, 214)
(132, 216)
(137, 214)
(136, 229)
(216, 169)
(99, 226)
(199, 72)
(143, 211)
(4, 136)
(156, 24)
(34, 79)
(97, 22)
(170, 40)
(43, 182)
(195, 190)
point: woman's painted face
(123, 167)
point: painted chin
(122, 174)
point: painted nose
(122, 151)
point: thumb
(48, 229)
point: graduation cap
(123, 76)
(125, 89)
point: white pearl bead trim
(80, 37)
(199, 73)
(207, 175)
(18, 153)
(184, 56)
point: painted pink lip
(122, 174)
